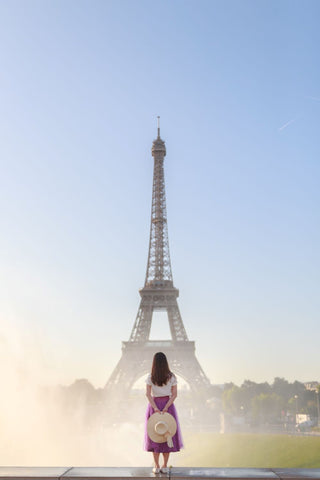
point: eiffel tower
(158, 294)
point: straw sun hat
(161, 427)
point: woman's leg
(156, 459)
(165, 459)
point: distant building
(313, 386)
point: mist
(40, 426)
(75, 425)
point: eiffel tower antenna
(157, 294)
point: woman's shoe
(156, 470)
(164, 469)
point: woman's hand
(164, 410)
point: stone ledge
(142, 473)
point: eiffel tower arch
(158, 294)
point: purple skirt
(151, 446)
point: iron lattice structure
(157, 294)
(159, 264)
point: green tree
(267, 407)
(232, 400)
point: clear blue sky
(237, 86)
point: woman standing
(161, 392)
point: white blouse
(163, 391)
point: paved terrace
(108, 473)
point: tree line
(257, 403)
(264, 402)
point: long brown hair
(160, 371)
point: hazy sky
(237, 86)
